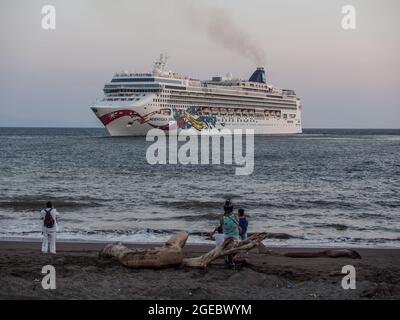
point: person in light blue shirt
(230, 226)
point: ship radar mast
(160, 63)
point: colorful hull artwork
(183, 119)
(190, 119)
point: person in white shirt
(218, 236)
(49, 218)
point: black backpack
(48, 219)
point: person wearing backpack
(49, 224)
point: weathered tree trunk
(230, 246)
(332, 253)
(171, 253)
(168, 255)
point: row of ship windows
(221, 100)
(183, 95)
(239, 115)
(128, 90)
(125, 93)
(167, 105)
(146, 80)
(229, 104)
(120, 99)
(126, 97)
(250, 119)
(290, 124)
(238, 120)
(246, 118)
(216, 105)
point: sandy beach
(81, 274)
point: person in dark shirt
(243, 225)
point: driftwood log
(331, 253)
(166, 256)
(171, 253)
(229, 247)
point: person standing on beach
(243, 224)
(49, 217)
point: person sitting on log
(230, 227)
(218, 236)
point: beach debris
(335, 274)
(158, 257)
(229, 247)
(276, 235)
(263, 249)
(279, 235)
(379, 289)
(340, 227)
(332, 253)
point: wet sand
(81, 274)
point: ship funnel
(258, 75)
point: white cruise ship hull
(138, 121)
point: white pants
(49, 240)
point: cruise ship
(134, 103)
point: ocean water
(323, 188)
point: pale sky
(345, 78)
